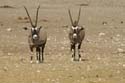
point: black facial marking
(35, 31)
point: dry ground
(103, 49)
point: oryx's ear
(39, 28)
(82, 28)
(25, 28)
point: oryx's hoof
(37, 62)
(42, 61)
(80, 59)
(72, 59)
(31, 62)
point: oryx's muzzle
(74, 35)
(75, 29)
(35, 36)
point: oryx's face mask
(35, 33)
(75, 32)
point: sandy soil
(103, 49)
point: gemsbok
(37, 38)
(76, 36)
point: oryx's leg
(74, 54)
(37, 54)
(31, 55)
(79, 46)
(71, 47)
(43, 52)
(74, 50)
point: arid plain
(103, 49)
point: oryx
(76, 35)
(37, 38)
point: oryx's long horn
(29, 16)
(70, 16)
(79, 15)
(37, 15)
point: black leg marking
(79, 46)
(31, 48)
(74, 52)
(39, 55)
(43, 53)
(72, 47)
(31, 56)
